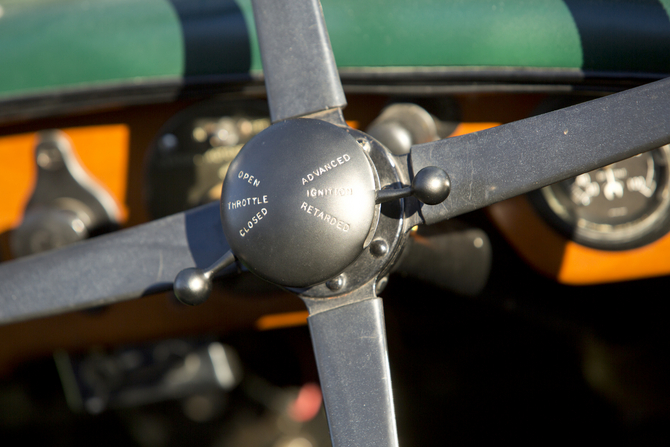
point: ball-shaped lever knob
(431, 185)
(193, 286)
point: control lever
(431, 185)
(193, 286)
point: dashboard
(605, 227)
(158, 160)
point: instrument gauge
(617, 207)
(190, 155)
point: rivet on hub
(382, 283)
(363, 143)
(379, 248)
(336, 283)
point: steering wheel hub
(298, 202)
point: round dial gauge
(191, 154)
(620, 206)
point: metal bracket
(67, 204)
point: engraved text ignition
(316, 212)
(325, 168)
(330, 192)
(254, 220)
(248, 201)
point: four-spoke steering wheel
(324, 210)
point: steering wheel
(324, 210)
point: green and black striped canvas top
(49, 46)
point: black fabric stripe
(623, 35)
(216, 37)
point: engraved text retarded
(320, 214)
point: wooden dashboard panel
(567, 262)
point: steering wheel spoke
(502, 162)
(349, 340)
(116, 267)
(298, 63)
(324, 210)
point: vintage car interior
(536, 318)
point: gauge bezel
(634, 234)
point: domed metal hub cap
(298, 202)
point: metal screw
(336, 283)
(169, 142)
(365, 144)
(49, 158)
(379, 248)
(382, 283)
(199, 135)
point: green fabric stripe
(248, 12)
(48, 44)
(53, 44)
(533, 33)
